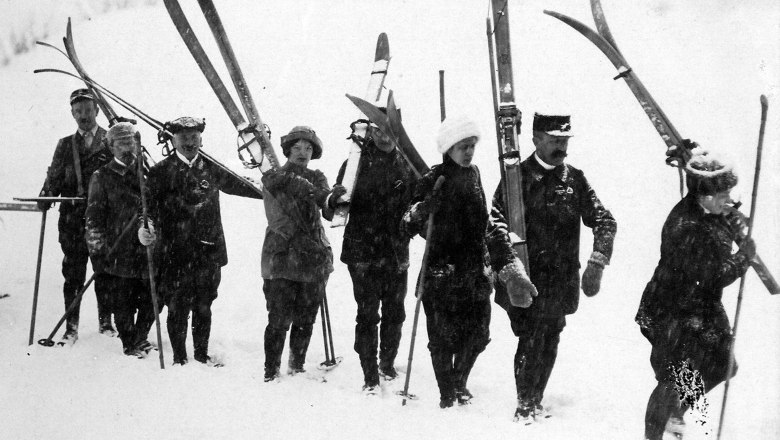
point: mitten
(591, 278)
(519, 287)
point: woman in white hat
(464, 250)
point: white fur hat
(454, 129)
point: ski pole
(149, 255)
(420, 291)
(48, 342)
(324, 335)
(764, 110)
(37, 277)
(442, 108)
(330, 330)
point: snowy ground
(707, 69)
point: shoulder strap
(77, 165)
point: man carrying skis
(76, 157)
(556, 197)
(465, 250)
(114, 202)
(190, 252)
(681, 312)
(297, 259)
(377, 253)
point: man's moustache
(559, 154)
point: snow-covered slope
(706, 68)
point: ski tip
(382, 48)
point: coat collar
(117, 167)
(561, 172)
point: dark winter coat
(62, 180)
(466, 246)
(114, 202)
(555, 203)
(184, 206)
(295, 246)
(381, 195)
(696, 264)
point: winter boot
(71, 332)
(294, 366)
(524, 415)
(209, 361)
(105, 327)
(446, 401)
(442, 368)
(370, 373)
(388, 349)
(299, 344)
(540, 412)
(463, 395)
(270, 374)
(371, 389)
(274, 345)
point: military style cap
(185, 123)
(302, 132)
(554, 125)
(121, 130)
(80, 95)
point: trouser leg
(440, 349)
(123, 307)
(548, 352)
(366, 336)
(475, 335)
(393, 317)
(145, 317)
(207, 283)
(278, 293)
(307, 303)
(178, 314)
(74, 269)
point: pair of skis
(360, 129)
(254, 146)
(676, 151)
(113, 118)
(508, 121)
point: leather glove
(147, 236)
(591, 278)
(519, 287)
(44, 206)
(335, 194)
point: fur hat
(121, 130)
(708, 174)
(554, 125)
(454, 129)
(81, 95)
(185, 123)
(302, 132)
